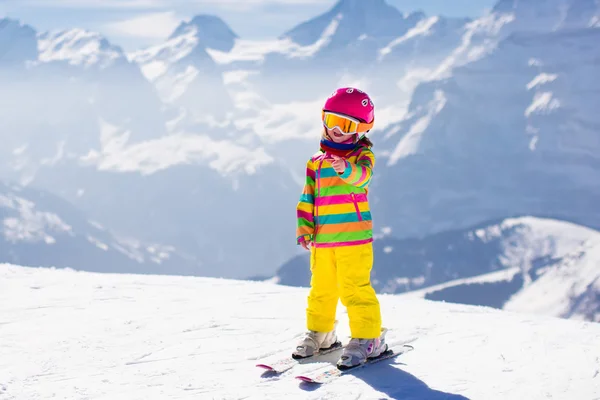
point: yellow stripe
(342, 208)
(308, 207)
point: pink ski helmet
(353, 103)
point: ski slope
(80, 335)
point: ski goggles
(344, 123)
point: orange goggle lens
(344, 124)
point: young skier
(334, 223)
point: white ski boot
(315, 342)
(357, 351)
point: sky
(137, 23)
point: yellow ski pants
(343, 273)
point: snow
(97, 243)
(576, 274)
(498, 276)
(409, 144)
(280, 122)
(155, 155)
(250, 50)
(324, 40)
(559, 287)
(154, 69)
(77, 47)
(423, 28)
(541, 79)
(173, 86)
(25, 223)
(536, 237)
(256, 50)
(237, 76)
(69, 334)
(542, 102)
(472, 47)
(154, 61)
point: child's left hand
(338, 164)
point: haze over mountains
(198, 144)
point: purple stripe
(340, 244)
(340, 199)
(310, 173)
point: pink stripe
(310, 173)
(305, 215)
(340, 199)
(340, 244)
(365, 158)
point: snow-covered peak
(155, 61)
(185, 49)
(78, 47)
(355, 19)
(210, 30)
(542, 16)
(17, 42)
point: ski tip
(264, 366)
(305, 379)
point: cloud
(153, 25)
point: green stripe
(305, 222)
(333, 190)
(343, 236)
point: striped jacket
(333, 209)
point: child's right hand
(306, 244)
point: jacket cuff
(303, 238)
(347, 171)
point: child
(334, 223)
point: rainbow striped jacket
(333, 209)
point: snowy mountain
(53, 106)
(513, 133)
(515, 264)
(535, 16)
(563, 283)
(78, 47)
(348, 43)
(185, 75)
(69, 127)
(40, 229)
(106, 336)
(201, 141)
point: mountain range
(198, 144)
